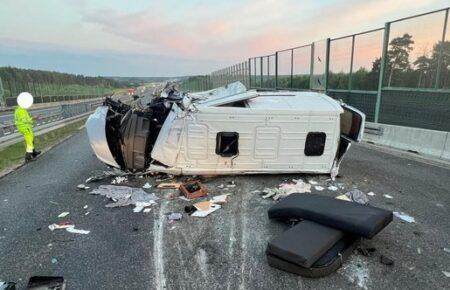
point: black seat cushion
(304, 243)
(350, 217)
(327, 264)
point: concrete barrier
(425, 142)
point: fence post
(382, 69)
(311, 67)
(292, 67)
(249, 72)
(351, 64)
(441, 52)
(261, 72)
(2, 95)
(276, 70)
(327, 63)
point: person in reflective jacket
(24, 123)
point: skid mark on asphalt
(158, 253)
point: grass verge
(13, 155)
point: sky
(174, 38)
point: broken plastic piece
(82, 187)
(388, 196)
(175, 216)
(59, 226)
(403, 216)
(220, 199)
(169, 185)
(147, 185)
(119, 180)
(73, 230)
(63, 214)
(319, 188)
(343, 197)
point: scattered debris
(439, 205)
(68, 227)
(367, 252)
(231, 184)
(220, 199)
(447, 274)
(85, 207)
(357, 196)
(54, 261)
(175, 216)
(189, 209)
(169, 185)
(371, 194)
(332, 188)
(419, 251)
(125, 195)
(63, 214)
(319, 188)
(184, 198)
(313, 182)
(203, 205)
(104, 174)
(73, 230)
(221, 186)
(147, 186)
(53, 202)
(147, 210)
(403, 216)
(119, 180)
(447, 250)
(163, 177)
(203, 213)
(59, 226)
(343, 197)
(388, 196)
(170, 196)
(386, 261)
(82, 187)
(140, 205)
(193, 189)
(285, 189)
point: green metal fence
(48, 92)
(397, 74)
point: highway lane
(127, 250)
(8, 117)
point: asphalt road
(225, 250)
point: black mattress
(304, 243)
(349, 217)
(327, 264)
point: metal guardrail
(66, 111)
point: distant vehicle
(228, 130)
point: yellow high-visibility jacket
(23, 120)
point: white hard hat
(25, 100)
